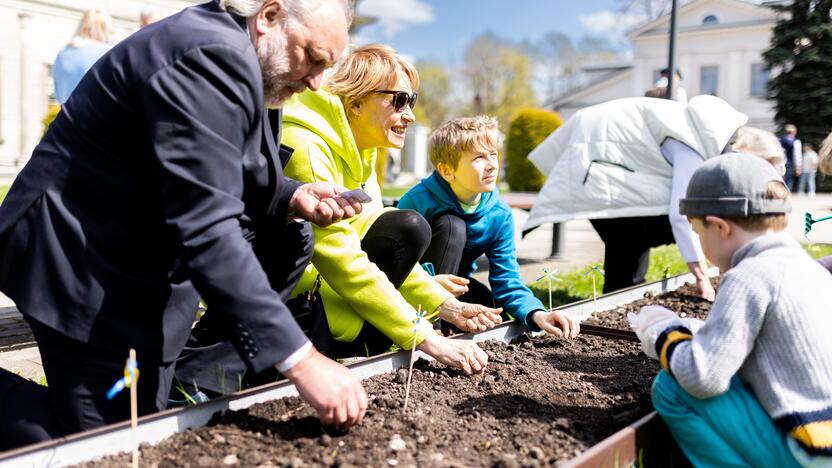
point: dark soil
(684, 301)
(539, 402)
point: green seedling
(598, 268)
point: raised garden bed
(514, 414)
(684, 301)
(541, 401)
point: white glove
(692, 324)
(650, 322)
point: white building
(718, 51)
(31, 34)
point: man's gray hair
(298, 10)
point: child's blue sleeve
(504, 274)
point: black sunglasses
(401, 99)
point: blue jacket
(489, 231)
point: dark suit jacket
(131, 206)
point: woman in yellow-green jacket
(371, 282)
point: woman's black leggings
(395, 242)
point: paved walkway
(581, 246)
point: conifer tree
(800, 58)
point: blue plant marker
(597, 268)
(131, 376)
(549, 275)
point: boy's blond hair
(463, 135)
(825, 155)
(367, 69)
(775, 190)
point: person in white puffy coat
(623, 165)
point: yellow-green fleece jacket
(353, 290)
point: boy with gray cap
(751, 385)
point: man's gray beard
(274, 65)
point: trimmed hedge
(530, 126)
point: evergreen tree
(800, 58)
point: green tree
(498, 76)
(530, 127)
(434, 94)
(800, 58)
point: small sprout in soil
(420, 314)
(594, 269)
(549, 275)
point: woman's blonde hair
(95, 26)
(825, 155)
(369, 68)
(758, 142)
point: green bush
(531, 125)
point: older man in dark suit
(141, 195)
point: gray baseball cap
(732, 185)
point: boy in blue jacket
(468, 219)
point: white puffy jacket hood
(606, 161)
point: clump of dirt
(540, 401)
(685, 301)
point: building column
(24, 108)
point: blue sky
(441, 29)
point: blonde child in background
(809, 172)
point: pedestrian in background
(794, 155)
(809, 171)
(148, 16)
(89, 43)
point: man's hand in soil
(469, 317)
(334, 392)
(320, 203)
(455, 285)
(557, 323)
(465, 355)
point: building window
(710, 19)
(759, 80)
(709, 80)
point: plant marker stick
(412, 355)
(549, 266)
(594, 299)
(134, 411)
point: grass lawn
(664, 261)
(4, 189)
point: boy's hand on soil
(469, 317)
(455, 285)
(557, 323)
(462, 354)
(330, 388)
